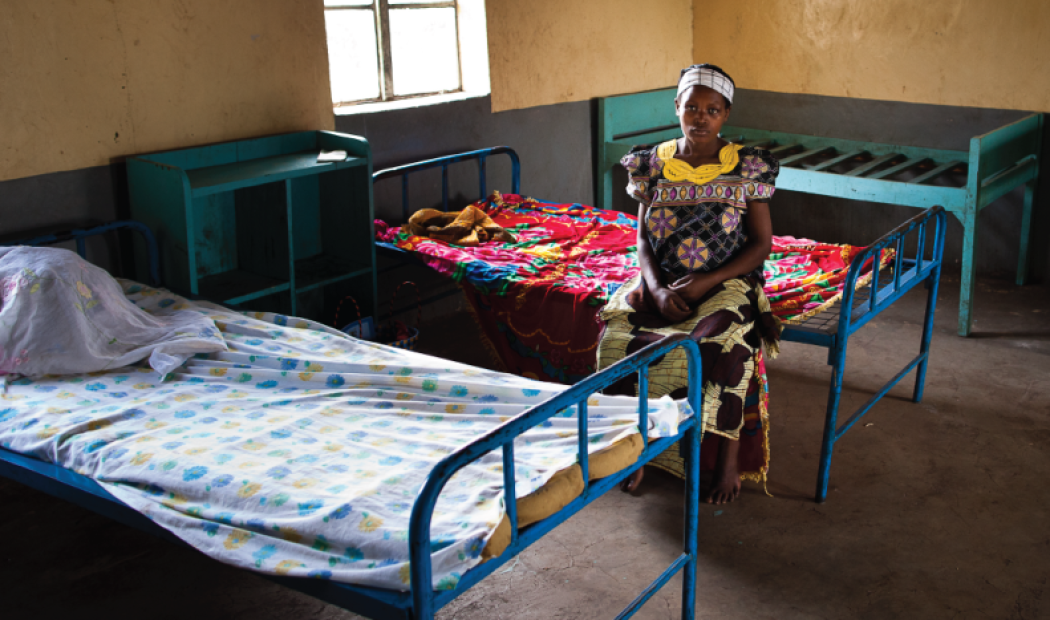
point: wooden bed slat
(911, 163)
(805, 154)
(878, 161)
(834, 161)
(926, 176)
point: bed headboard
(78, 235)
(444, 162)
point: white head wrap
(702, 76)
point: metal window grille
(381, 12)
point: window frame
(381, 12)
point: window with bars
(382, 50)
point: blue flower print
(164, 303)
(474, 547)
(272, 347)
(488, 398)
(225, 517)
(307, 441)
(355, 403)
(334, 381)
(256, 524)
(172, 445)
(357, 436)
(95, 387)
(281, 433)
(458, 391)
(264, 554)
(384, 405)
(265, 385)
(134, 414)
(153, 490)
(289, 364)
(463, 423)
(222, 481)
(116, 454)
(255, 415)
(209, 420)
(440, 542)
(214, 389)
(303, 422)
(337, 468)
(340, 513)
(530, 393)
(117, 394)
(390, 460)
(399, 506)
(280, 319)
(133, 289)
(46, 388)
(6, 414)
(253, 342)
(278, 472)
(185, 413)
(411, 430)
(306, 458)
(95, 446)
(194, 473)
(353, 554)
(319, 574)
(388, 562)
(210, 528)
(223, 458)
(380, 424)
(310, 507)
(487, 411)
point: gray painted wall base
(556, 147)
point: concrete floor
(936, 510)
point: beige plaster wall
(552, 51)
(979, 53)
(84, 83)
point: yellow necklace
(678, 170)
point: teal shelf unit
(261, 224)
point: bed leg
(831, 420)
(1026, 233)
(692, 511)
(966, 287)
(932, 284)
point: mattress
(300, 450)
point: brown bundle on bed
(468, 227)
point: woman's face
(701, 112)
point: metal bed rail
(480, 155)
(426, 601)
(851, 316)
(78, 235)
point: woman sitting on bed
(704, 232)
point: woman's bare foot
(725, 487)
(631, 483)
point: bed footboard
(426, 601)
(859, 306)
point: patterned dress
(698, 228)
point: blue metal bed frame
(833, 327)
(422, 601)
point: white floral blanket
(300, 451)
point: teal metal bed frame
(996, 163)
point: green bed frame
(997, 162)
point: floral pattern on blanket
(300, 451)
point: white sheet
(300, 450)
(61, 315)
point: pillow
(61, 315)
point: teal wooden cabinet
(260, 224)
